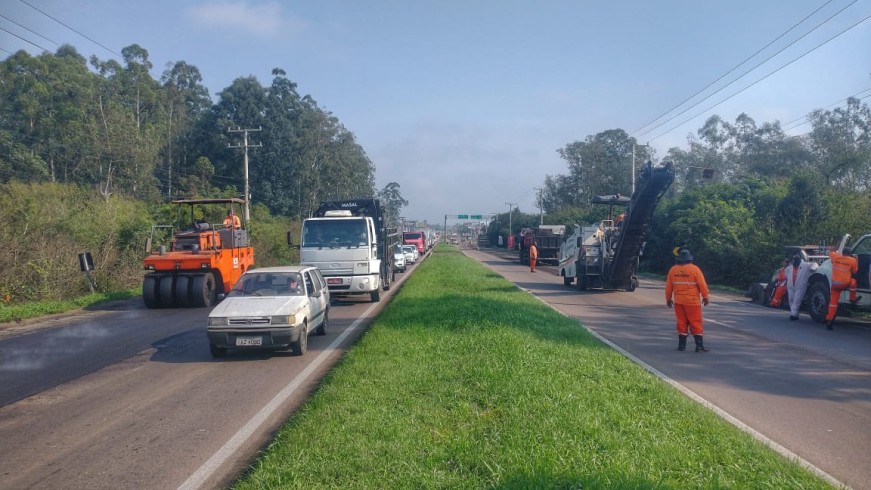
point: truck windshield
(335, 233)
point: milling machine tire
(149, 292)
(567, 281)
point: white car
(399, 259)
(271, 308)
(411, 253)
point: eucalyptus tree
(240, 106)
(185, 99)
(601, 164)
(841, 144)
(130, 124)
(391, 198)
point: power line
(29, 30)
(25, 40)
(733, 69)
(754, 83)
(70, 28)
(805, 119)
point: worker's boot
(830, 324)
(681, 342)
(700, 344)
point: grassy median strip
(465, 381)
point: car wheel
(322, 328)
(818, 301)
(301, 345)
(217, 352)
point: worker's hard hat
(684, 256)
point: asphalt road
(126, 397)
(801, 386)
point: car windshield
(268, 284)
(409, 248)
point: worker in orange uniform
(779, 285)
(232, 221)
(844, 270)
(533, 256)
(684, 285)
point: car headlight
(217, 321)
(282, 320)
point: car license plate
(334, 280)
(249, 340)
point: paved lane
(805, 388)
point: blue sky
(464, 103)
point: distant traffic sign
(462, 216)
(477, 216)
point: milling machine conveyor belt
(652, 184)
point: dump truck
(192, 261)
(606, 255)
(547, 238)
(351, 244)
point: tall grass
(464, 381)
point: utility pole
(245, 145)
(510, 208)
(540, 207)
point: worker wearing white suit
(797, 275)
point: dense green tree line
(117, 128)
(767, 190)
(91, 152)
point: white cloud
(262, 20)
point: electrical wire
(734, 68)
(751, 69)
(759, 80)
(25, 40)
(71, 28)
(806, 119)
(29, 30)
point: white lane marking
(199, 477)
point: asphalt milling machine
(606, 255)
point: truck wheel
(375, 295)
(167, 291)
(301, 345)
(217, 352)
(567, 280)
(203, 291)
(633, 283)
(818, 301)
(183, 291)
(149, 292)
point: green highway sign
(462, 216)
(476, 216)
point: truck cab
(351, 246)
